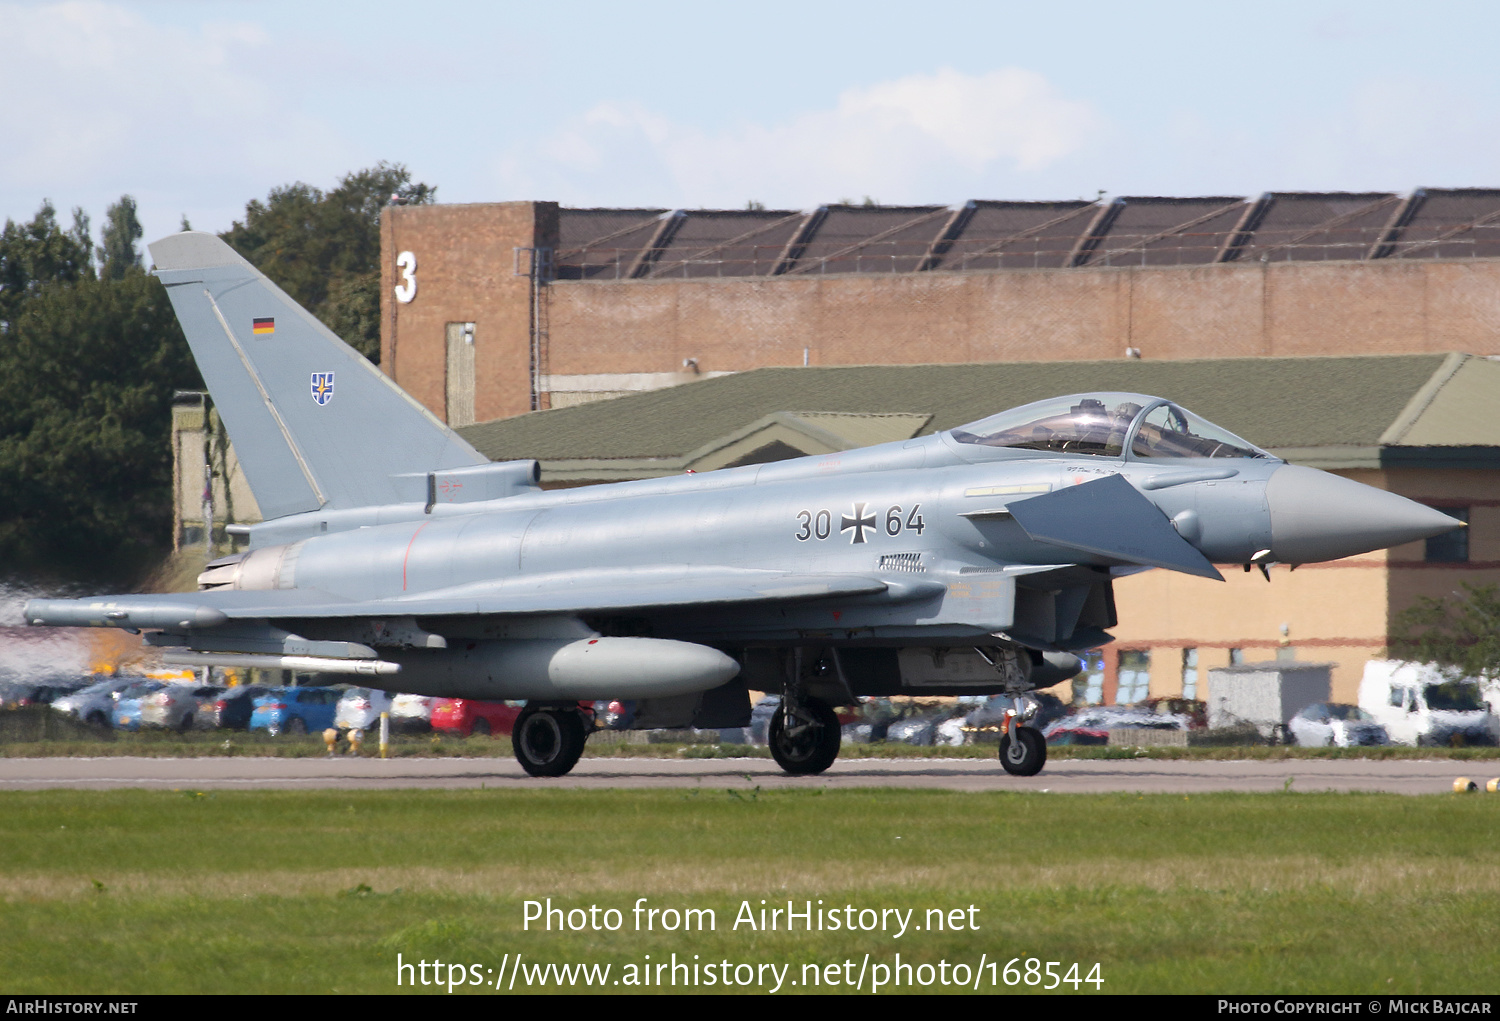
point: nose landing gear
(1023, 750)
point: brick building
(494, 309)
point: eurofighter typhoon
(978, 560)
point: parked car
(989, 719)
(129, 702)
(467, 716)
(411, 714)
(1420, 705)
(294, 710)
(179, 706)
(15, 694)
(760, 718)
(616, 714)
(360, 708)
(1091, 725)
(1194, 709)
(94, 704)
(232, 709)
(919, 729)
(1335, 725)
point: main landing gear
(804, 735)
(549, 738)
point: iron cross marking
(859, 523)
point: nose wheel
(806, 740)
(548, 741)
(1023, 751)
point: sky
(195, 107)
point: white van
(1421, 705)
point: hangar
(494, 309)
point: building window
(1088, 687)
(1189, 673)
(1236, 657)
(1450, 547)
(1135, 676)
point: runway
(1061, 777)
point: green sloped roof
(1273, 402)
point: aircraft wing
(573, 592)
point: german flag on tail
(263, 326)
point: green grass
(318, 891)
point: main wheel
(806, 746)
(1026, 755)
(548, 742)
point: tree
(1461, 633)
(323, 249)
(88, 369)
(88, 362)
(39, 254)
(118, 255)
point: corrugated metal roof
(1016, 235)
(1275, 402)
(870, 239)
(1165, 232)
(1450, 223)
(1315, 226)
(623, 244)
(733, 243)
(594, 242)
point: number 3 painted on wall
(406, 263)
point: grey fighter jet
(974, 561)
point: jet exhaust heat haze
(979, 560)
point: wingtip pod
(121, 612)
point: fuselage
(895, 511)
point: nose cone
(1317, 516)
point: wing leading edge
(572, 592)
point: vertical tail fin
(313, 423)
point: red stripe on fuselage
(407, 557)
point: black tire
(813, 748)
(98, 719)
(295, 725)
(1029, 754)
(186, 724)
(481, 727)
(548, 742)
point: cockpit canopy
(1106, 425)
